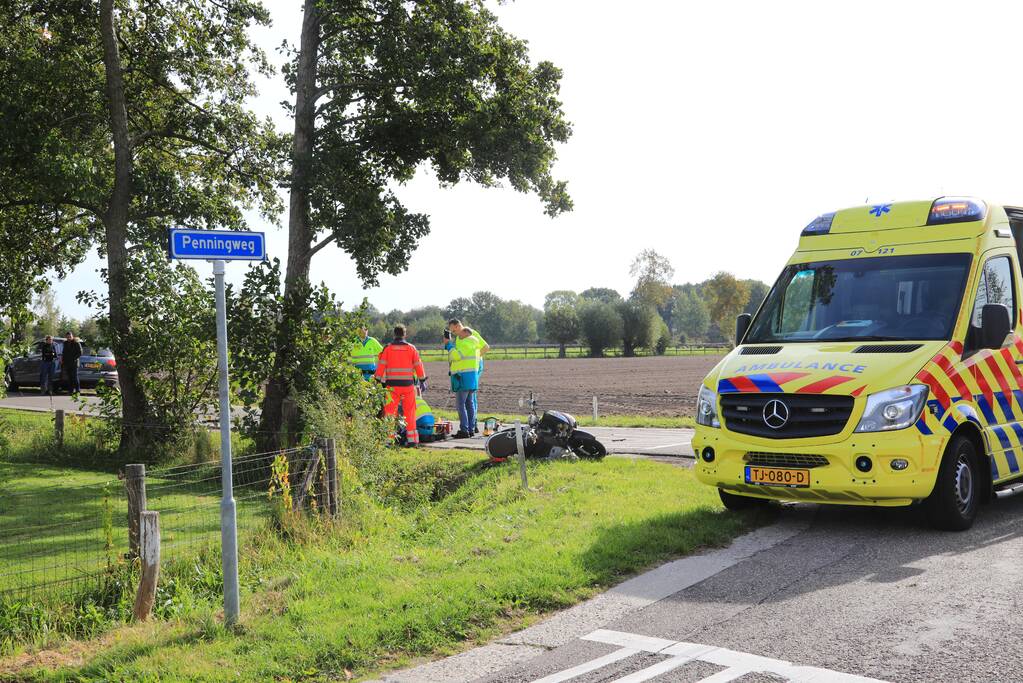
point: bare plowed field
(660, 386)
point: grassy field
(551, 352)
(436, 553)
(587, 420)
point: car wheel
(9, 380)
(952, 505)
(734, 502)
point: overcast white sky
(712, 132)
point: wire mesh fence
(57, 540)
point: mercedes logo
(776, 414)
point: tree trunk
(115, 221)
(300, 235)
(561, 351)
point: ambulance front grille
(793, 460)
(809, 415)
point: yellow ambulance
(883, 368)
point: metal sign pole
(228, 515)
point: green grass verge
(587, 420)
(436, 555)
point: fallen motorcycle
(552, 435)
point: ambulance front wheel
(952, 505)
(734, 502)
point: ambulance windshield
(864, 299)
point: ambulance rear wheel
(952, 506)
(734, 502)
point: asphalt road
(33, 400)
(620, 440)
(858, 594)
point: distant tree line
(656, 314)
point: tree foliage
(383, 88)
(726, 298)
(639, 321)
(690, 314)
(317, 362)
(120, 122)
(562, 325)
(560, 297)
(653, 273)
(173, 320)
(757, 293)
(603, 294)
(601, 326)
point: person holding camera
(464, 353)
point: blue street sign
(216, 245)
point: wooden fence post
(331, 455)
(307, 480)
(135, 484)
(58, 428)
(149, 531)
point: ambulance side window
(996, 287)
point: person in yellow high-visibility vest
(457, 330)
(364, 353)
(464, 351)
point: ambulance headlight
(896, 408)
(707, 408)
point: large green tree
(639, 325)
(653, 273)
(689, 314)
(601, 326)
(381, 89)
(562, 325)
(122, 119)
(603, 294)
(726, 297)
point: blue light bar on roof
(821, 225)
(955, 210)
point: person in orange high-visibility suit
(398, 367)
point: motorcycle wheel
(501, 444)
(585, 445)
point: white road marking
(683, 653)
(592, 665)
(737, 664)
(668, 445)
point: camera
(447, 334)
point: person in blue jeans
(47, 363)
(463, 362)
(458, 331)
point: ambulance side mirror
(741, 325)
(995, 326)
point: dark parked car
(96, 366)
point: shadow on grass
(625, 549)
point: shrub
(601, 326)
(638, 324)
(663, 338)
